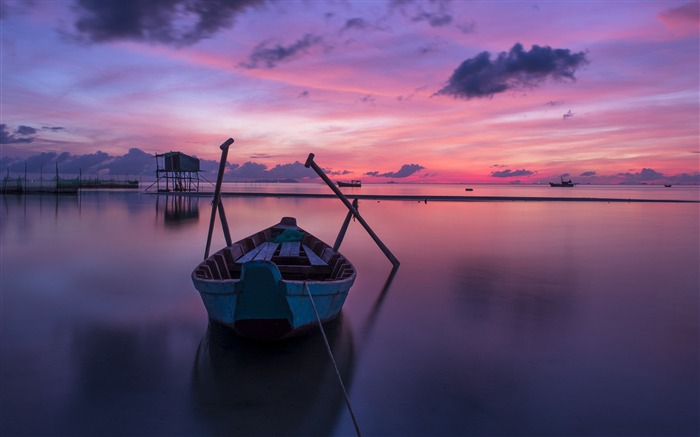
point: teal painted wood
(261, 293)
(265, 284)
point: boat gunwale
(325, 272)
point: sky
(405, 91)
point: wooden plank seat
(314, 259)
(267, 251)
(290, 249)
(262, 252)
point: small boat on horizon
(352, 183)
(563, 183)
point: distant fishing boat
(668, 185)
(563, 183)
(352, 183)
(280, 281)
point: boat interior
(308, 259)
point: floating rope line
(335, 366)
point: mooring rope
(335, 366)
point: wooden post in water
(310, 163)
(344, 228)
(217, 194)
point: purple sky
(439, 91)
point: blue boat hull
(264, 305)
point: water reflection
(528, 295)
(285, 388)
(501, 321)
(177, 210)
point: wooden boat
(280, 281)
(352, 183)
(260, 286)
(563, 183)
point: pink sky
(357, 82)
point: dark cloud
(369, 98)
(435, 19)
(567, 115)
(175, 22)
(295, 170)
(588, 173)
(417, 12)
(645, 176)
(135, 162)
(355, 24)
(265, 56)
(338, 172)
(88, 163)
(405, 171)
(26, 130)
(511, 173)
(42, 162)
(648, 174)
(23, 134)
(250, 170)
(53, 128)
(469, 27)
(481, 76)
(685, 178)
(255, 171)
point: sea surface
(508, 318)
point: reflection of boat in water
(352, 183)
(260, 285)
(563, 183)
(242, 387)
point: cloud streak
(405, 171)
(266, 56)
(481, 76)
(511, 173)
(23, 134)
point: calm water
(657, 192)
(505, 318)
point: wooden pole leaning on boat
(215, 202)
(344, 228)
(311, 163)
